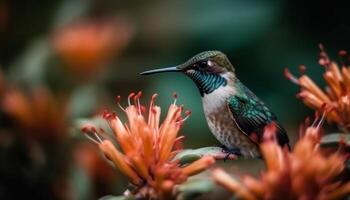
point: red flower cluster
(336, 96)
(148, 148)
(304, 173)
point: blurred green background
(112, 41)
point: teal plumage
(207, 82)
(251, 115)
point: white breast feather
(218, 97)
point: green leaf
(190, 155)
(333, 139)
(110, 197)
(195, 187)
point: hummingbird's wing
(251, 116)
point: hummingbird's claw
(230, 151)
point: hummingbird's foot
(231, 151)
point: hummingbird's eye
(203, 64)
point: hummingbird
(235, 115)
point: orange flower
(39, 113)
(304, 173)
(87, 46)
(335, 97)
(147, 148)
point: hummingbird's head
(207, 69)
(214, 62)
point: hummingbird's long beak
(155, 71)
